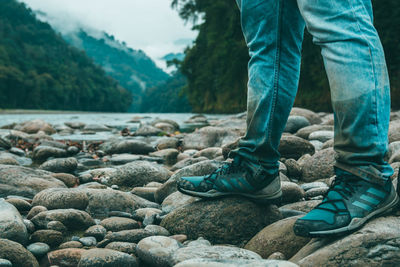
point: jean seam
(277, 69)
(372, 69)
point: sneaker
(239, 177)
(348, 204)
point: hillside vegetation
(216, 66)
(39, 70)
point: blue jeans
(356, 68)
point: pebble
(156, 250)
(88, 241)
(97, 231)
(38, 249)
(5, 263)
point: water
(117, 121)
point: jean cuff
(368, 173)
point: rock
(394, 131)
(59, 198)
(319, 166)
(8, 160)
(209, 137)
(316, 192)
(35, 126)
(304, 206)
(167, 142)
(20, 204)
(71, 218)
(5, 263)
(294, 147)
(88, 241)
(377, 243)
(291, 192)
(67, 165)
(200, 168)
(321, 136)
(176, 200)
(140, 214)
(277, 256)
(57, 226)
(187, 162)
(17, 254)
(293, 169)
(165, 127)
(17, 151)
(395, 157)
(170, 122)
(212, 252)
(118, 146)
(129, 248)
(41, 153)
(306, 131)
(294, 123)
(132, 236)
(235, 263)
(26, 182)
(137, 173)
(116, 224)
(145, 192)
(169, 155)
(278, 236)
(75, 124)
(147, 130)
(71, 244)
(157, 230)
(230, 220)
(311, 116)
(68, 257)
(394, 147)
(35, 211)
(97, 231)
(38, 249)
(156, 250)
(101, 257)
(94, 127)
(179, 238)
(209, 152)
(5, 143)
(102, 202)
(68, 179)
(50, 237)
(226, 149)
(12, 226)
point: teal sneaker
(239, 177)
(349, 203)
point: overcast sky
(150, 25)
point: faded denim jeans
(355, 64)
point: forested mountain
(168, 96)
(133, 69)
(216, 66)
(39, 70)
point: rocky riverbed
(114, 202)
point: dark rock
(71, 218)
(126, 247)
(27, 182)
(147, 130)
(68, 257)
(131, 236)
(116, 224)
(68, 179)
(41, 153)
(319, 166)
(20, 204)
(35, 126)
(311, 116)
(100, 257)
(38, 249)
(97, 231)
(169, 155)
(67, 165)
(50, 237)
(17, 254)
(294, 123)
(230, 220)
(294, 147)
(118, 146)
(278, 236)
(58, 198)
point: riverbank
(72, 198)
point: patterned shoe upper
(237, 176)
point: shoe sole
(355, 224)
(259, 196)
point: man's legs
(356, 69)
(273, 30)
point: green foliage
(134, 70)
(216, 66)
(38, 70)
(167, 97)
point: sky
(149, 25)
